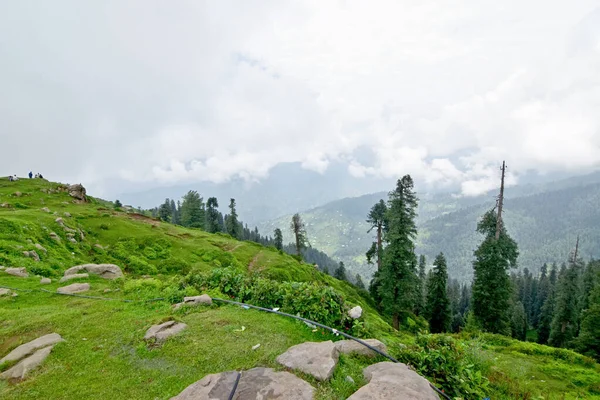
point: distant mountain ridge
(544, 219)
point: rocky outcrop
(106, 271)
(388, 380)
(194, 301)
(353, 347)
(45, 281)
(29, 356)
(318, 359)
(162, 332)
(32, 254)
(78, 192)
(21, 272)
(5, 292)
(254, 384)
(74, 288)
(355, 312)
(74, 276)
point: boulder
(74, 288)
(163, 331)
(74, 276)
(77, 191)
(67, 214)
(45, 281)
(59, 221)
(388, 380)
(29, 356)
(5, 292)
(194, 301)
(54, 236)
(72, 240)
(355, 313)
(45, 209)
(254, 384)
(21, 272)
(353, 347)
(32, 254)
(40, 247)
(106, 271)
(318, 359)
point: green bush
(42, 270)
(448, 364)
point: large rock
(45, 281)
(5, 292)
(54, 236)
(21, 272)
(353, 347)
(106, 271)
(40, 247)
(388, 380)
(29, 356)
(32, 254)
(254, 384)
(318, 359)
(163, 331)
(356, 312)
(74, 276)
(74, 288)
(194, 301)
(77, 191)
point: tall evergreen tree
(299, 230)
(421, 288)
(491, 284)
(359, 282)
(588, 341)
(398, 277)
(192, 210)
(543, 291)
(174, 213)
(565, 318)
(278, 239)
(232, 225)
(518, 321)
(377, 219)
(165, 211)
(438, 305)
(212, 215)
(340, 272)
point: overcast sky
(113, 93)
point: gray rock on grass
(54, 236)
(106, 271)
(29, 356)
(162, 332)
(318, 359)
(388, 380)
(256, 383)
(194, 301)
(5, 292)
(45, 281)
(353, 347)
(40, 247)
(74, 288)
(74, 276)
(32, 254)
(20, 272)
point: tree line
(559, 307)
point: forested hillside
(544, 219)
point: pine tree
(377, 219)
(278, 239)
(359, 282)
(588, 341)
(212, 215)
(174, 213)
(421, 288)
(543, 291)
(437, 309)
(491, 284)
(299, 230)
(518, 321)
(398, 277)
(118, 204)
(232, 225)
(192, 210)
(564, 321)
(340, 272)
(164, 211)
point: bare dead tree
(500, 203)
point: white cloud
(97, 92)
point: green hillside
(104, 355)
(544, 220)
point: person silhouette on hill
(30, 174)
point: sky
(142, 94)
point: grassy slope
(104, 355)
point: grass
(104, 355)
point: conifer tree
(421, 288)
(164, 211)
(565, 318)
(377, 219)
(212, 215)
(232, 225)
(491, 284)
(588, 341)
(278, 238)
(438, 305)
(518, 321)
(398, 277)
(299, 230)
(340, 272)
(192, 210)
(543, 291)
(174, 213)
(359, 282)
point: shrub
(448, 364)
(137, 265)
(42, 270)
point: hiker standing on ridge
(30, 174)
